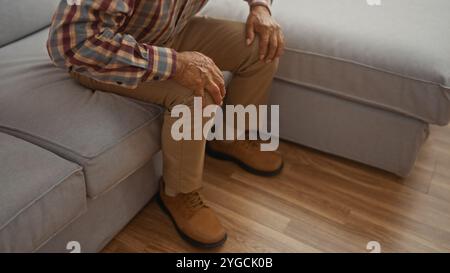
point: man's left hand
(271, 42)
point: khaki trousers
(224, 42)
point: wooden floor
(320, 203)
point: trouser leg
(182, 160)
(225, 43)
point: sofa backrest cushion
(19, 18)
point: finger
(281, 45)
(214, 91)
(218, 72)
(250, 30)
(223, 90)
(273, 46)
(217, 77)
(263, 45)
(221, 85)
(220, 82)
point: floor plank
(320, 203)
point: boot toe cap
(206, 228)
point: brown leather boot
(195, 222)
(248, 155)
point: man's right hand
(199, 73)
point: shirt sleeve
(266, 3)
(87, 39)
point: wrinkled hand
(199, 73)
(271, 45)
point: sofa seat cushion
(108, 135)
(21, 18)
(395, 56)
(40, 193)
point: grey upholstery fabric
(40, 193)
(394, 57)
(366, 134)
(19, 18)
(109, 136)
(107, 214)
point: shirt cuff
(264, 3)
(162, 63)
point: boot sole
(225, 157)
(185, 237)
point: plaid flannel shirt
(120, 41)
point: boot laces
(194, 200)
